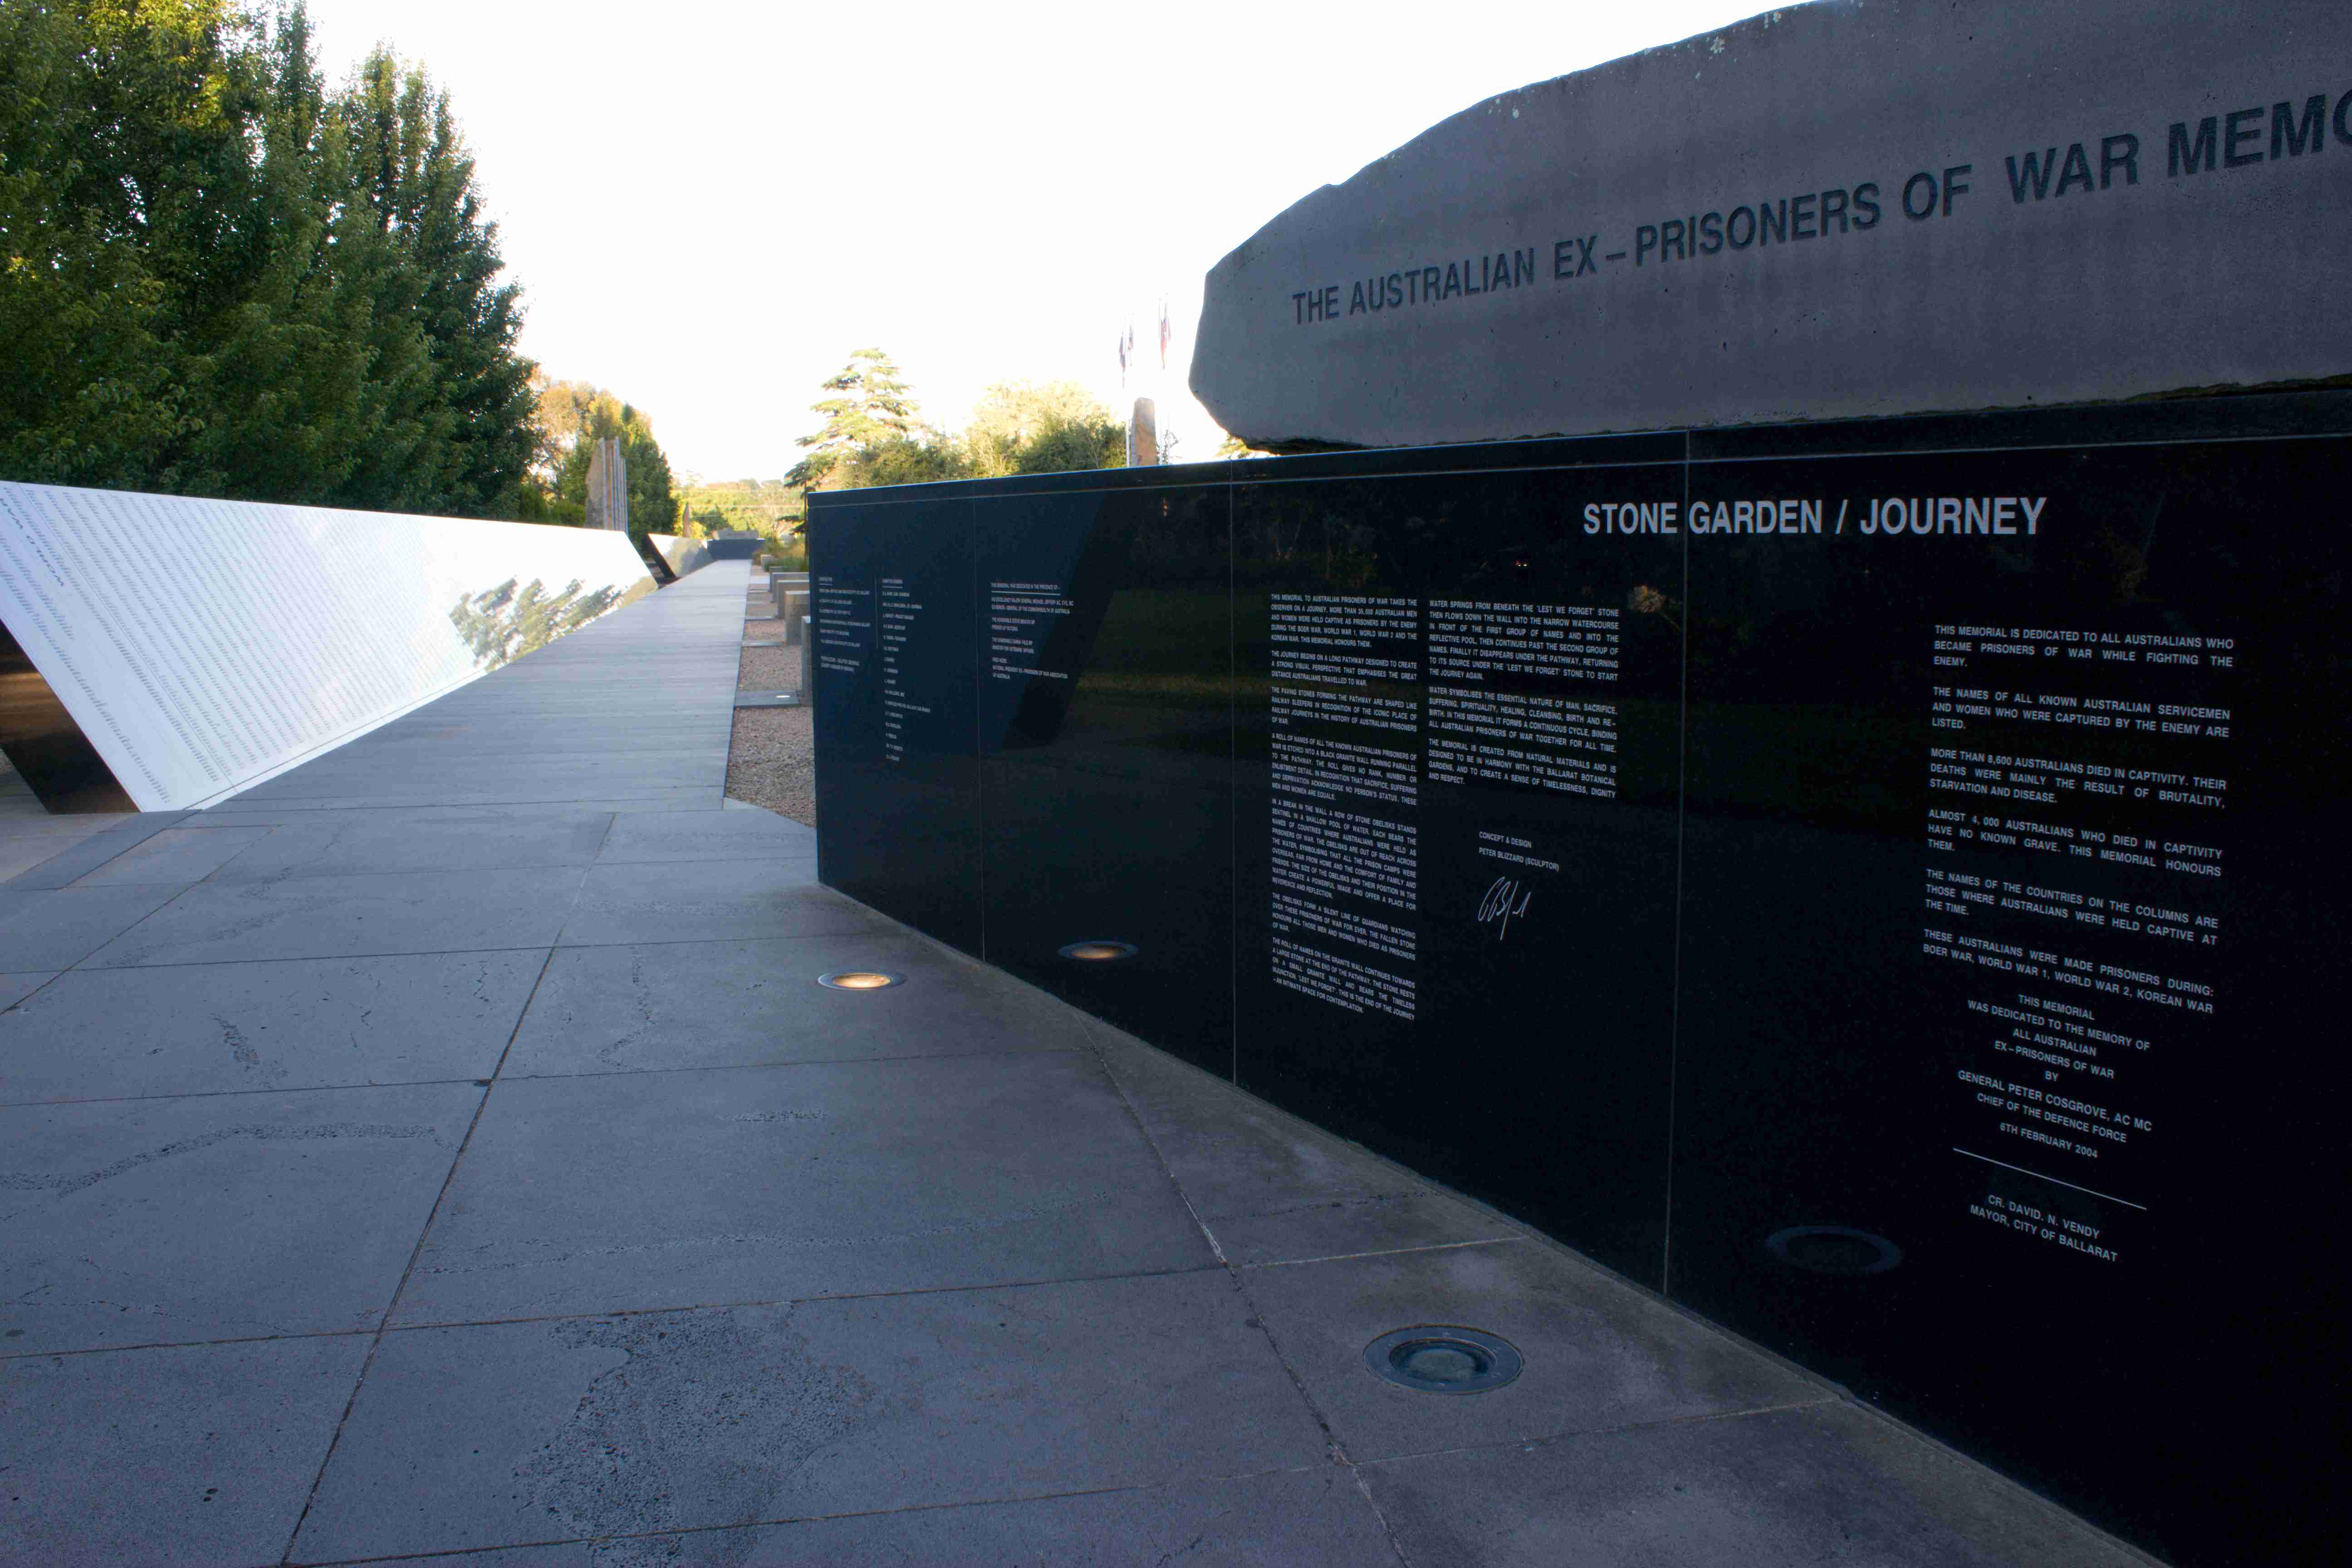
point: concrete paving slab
(58, 929)
(200, 1454)
(75, 846)
(694, 798)
(475, 838)
(646, 1190)
(698, 795)
(730, 836)
(21, 853)
(175, 857)
(173, 1221)
(344, 917)
(99, 1033)
(704, 900)
(1289, 1519)
(745, 1003)
(584, 1428)
(1828, 1483)
(1600, 1356)
(518, 763)
(15, 988)
(1269, 1187)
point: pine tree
(873, 408)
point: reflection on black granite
(898, 795)
(1106, 726)
(1998, 874)
(1898, 912)
(1517, 1041)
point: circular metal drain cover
(859, 979)
(1834, 1249)
(1443, 1358)
(1098, 951)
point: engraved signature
(1502, 904)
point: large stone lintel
(1827, 211)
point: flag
(1163, 334)
(1126, 351)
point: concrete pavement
(442, 1153)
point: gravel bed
(772, 761)
(769, 669)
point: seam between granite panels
(7, 1356)
(1336, 1451)
(1525, 1231)
(733, 1304)
(1384, 1251)
(120, 932)
(295, 958)
(1682, 857)
(796, 1062)
(465, 952)
(448, 1179)
(1834, 1399)
(229, 1093)
(1583, 1434)
(31, 879)
(209, 877)
(1835, 1393)
(54, 975)
(780, 1521)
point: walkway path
(445, 1147)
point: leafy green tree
(410, 163)
(218, 278)
(1012, 415)
(1066, 445)
(753, 506)
(106, 117)
(871, 406)
(653, 506)
(918, 459)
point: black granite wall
(1906, 929)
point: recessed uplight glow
(1834, 1249)
(857, 980)
(1098, 951)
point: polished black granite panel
(1457, 753)
(1898, 912)
(2008, 835)
(897, 779)
(1106, 727)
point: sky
(710, 204)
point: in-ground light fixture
(1098, 951)
(1443, 1358)
(860, 979)
(1834, 1249)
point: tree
(412, 165)
(217, 277)
(653, 506)
(1011, 416)
(904, 460)
(1064, 445)
(106, 120)
(871, 405)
